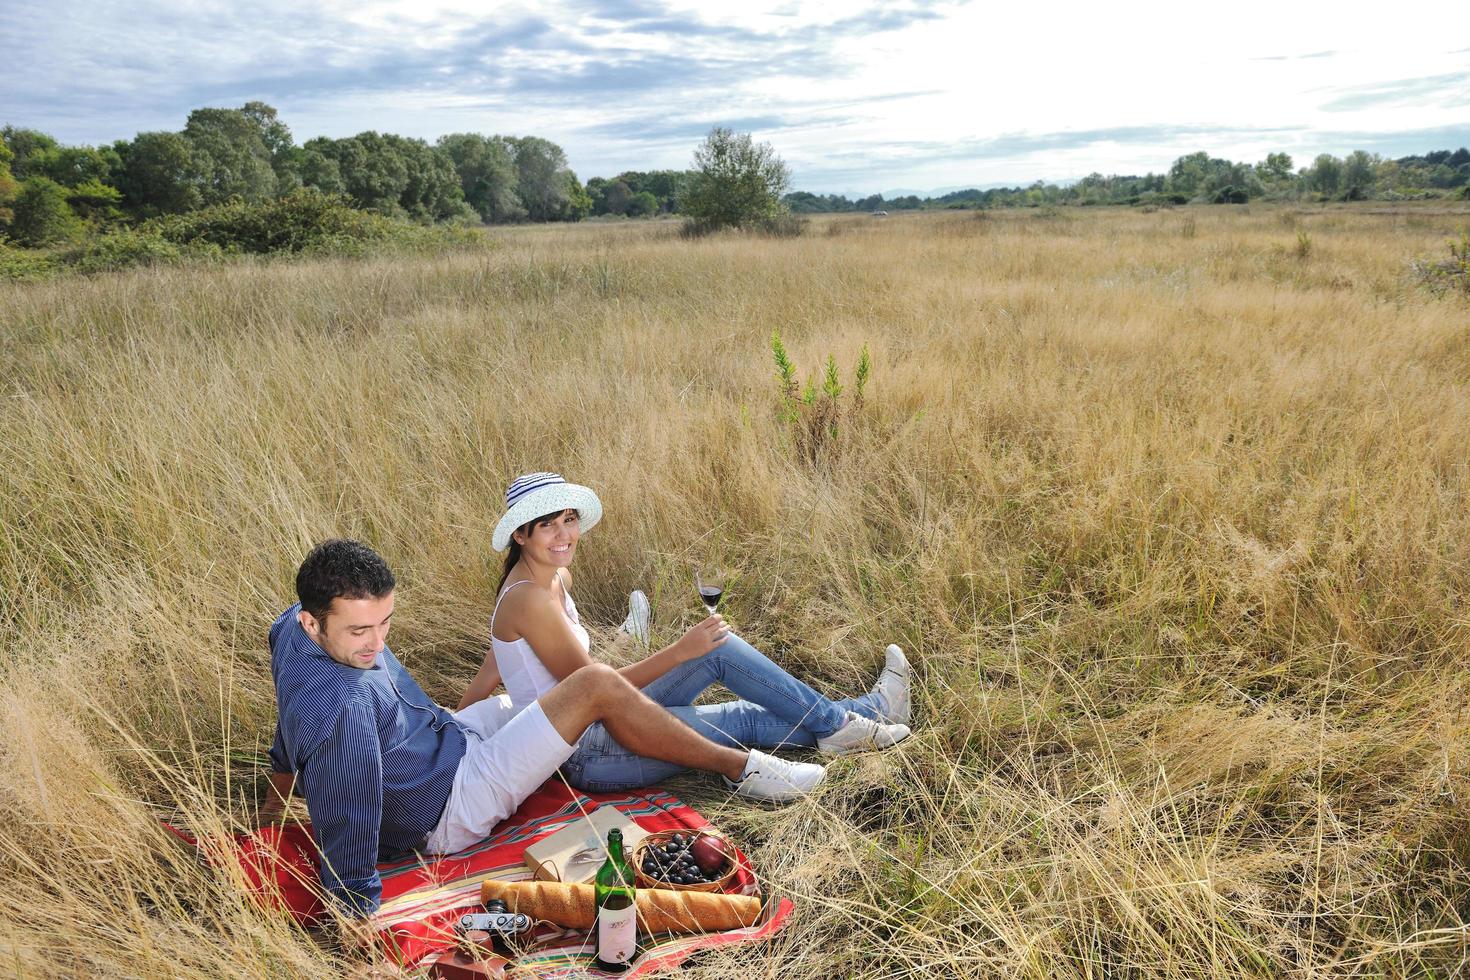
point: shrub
(812, 415)
(96, 203)
(304, 221)
(293, 223)
(1447, 274)
(25, 263)
(697, 228)
(41, 215)
(121, 250)
(1230, 194)
(782, 226)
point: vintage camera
(497, 920)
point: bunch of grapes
(676, 863)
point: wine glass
(709, 580)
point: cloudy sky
(856, 96)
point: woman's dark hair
(513, 555)
(339, 567)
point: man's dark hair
(340, 567)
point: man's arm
(282, 782)
(343, 783)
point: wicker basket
(661, 838)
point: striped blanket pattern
(422, 900)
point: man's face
(354, 629)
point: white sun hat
(538, 494)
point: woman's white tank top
(522, 672)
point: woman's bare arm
(485, 681)
(538, 617)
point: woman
(537, 640)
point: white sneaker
(776, 780)
(892, 686)
(862, 735)
(639, 616)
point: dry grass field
(1171, 511)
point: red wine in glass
(711, 586)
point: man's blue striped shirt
(374, 756)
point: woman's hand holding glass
(702, 637)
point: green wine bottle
(617, 909)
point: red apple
(712, 853)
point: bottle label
(617, 933)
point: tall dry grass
(1169, 510)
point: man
(386, 771)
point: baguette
(659, 909)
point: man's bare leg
(599, 693)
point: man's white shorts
(504, 762)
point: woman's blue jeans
(775, 710)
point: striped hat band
(529, 482)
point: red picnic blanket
(422, 900)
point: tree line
(1202, 179)
(50, 192)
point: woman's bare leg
(599, 693)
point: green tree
(8, 187)
(595, 187)
(579, 204)
(159, 175)
(72, 166)
(392, 175)
(1359, 171)
(288, 168)
(486, 169)
(1276, 169)
(1388, 175)
(804, 202)
(433, 192)
(1190, 174)
(230, 153)
(1442, 175)
(1325, 175)
(615, 197)
(285, 156)
(96, 203)
(541, 179)
(1240, 176)
(29, 148)
(274, 134)
(41, 215)
(736, 181)
(664, 185)
(318, 170)
(642, 204)
(369, 172)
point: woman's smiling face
(552, 539)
